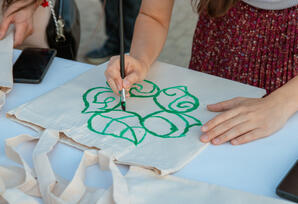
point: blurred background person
(30, 21)
(111, 46)
(34, 25)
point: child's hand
(245, 120)
(22, 19)
(135, 71)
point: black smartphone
(32, 65)
(288, 187)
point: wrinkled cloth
(89, 115)
(22, 185)
(6, 55)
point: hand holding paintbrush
(123, 71)
(122, 63)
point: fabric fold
(6, 55)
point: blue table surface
(256, 167)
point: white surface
(256, 167)
(176, 190)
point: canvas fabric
(166, 110)
(6, 54)
(159, 132)
(23, 185)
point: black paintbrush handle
(122, 67)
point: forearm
(150, 34)
(288, 95)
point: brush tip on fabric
(123, 100)
(123, 106)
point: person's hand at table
(21, 17)
(246, 119)
(135, 71)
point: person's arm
(151, 30)
(289, 94)
(149, 37)
(245, 119)
(19, 13)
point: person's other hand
(244, 120)
(22, 19)
(135, 71)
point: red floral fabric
(249, 45)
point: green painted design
(152, 121)
(181, 101)
(119, 124)
(100, 99)
(109, 120)
(138, 90)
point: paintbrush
(122, 63)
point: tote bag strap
(18, 185)
(21, 185)
(75, 191)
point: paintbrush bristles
(123, 106)
(123, 100)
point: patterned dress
(249, 45)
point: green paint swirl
(108, 120)
(181, 101)
(172, 119)
(100, 99)
(138, 90)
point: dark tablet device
(288, 187)
(32, 65)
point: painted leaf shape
(119, 124)
(169, 125)
(176, 100)
(100, 100)
(145, 89)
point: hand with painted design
(135, 71)
(245, 119)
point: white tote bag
(160, 129)
(6, 54)
(23, 185)
(145, 187)
(138, 186)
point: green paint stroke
(170, 122)
(99, 100)
(119, 124)
(138, 90)
(177, 100)
(152, 124)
